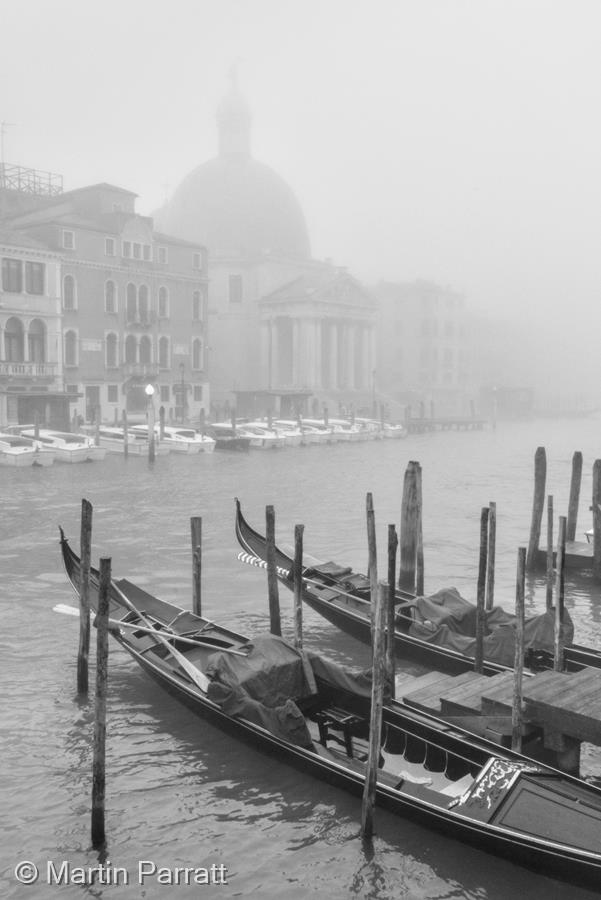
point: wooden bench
(339, 720)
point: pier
(445, 423)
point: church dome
(233, 204)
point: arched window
(164, 352)
(37, 341)
(131, 303)
(69, 295)
(112, 359)
(70, 348)
(145, 350)
(131, 349)
(110, 297)
(163, 302)
(14, 342)
(143, 303)
(197, 353)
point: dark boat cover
(448, 620)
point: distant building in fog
(134, 301)
(423, 348)
(286, 332)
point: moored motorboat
(438, 631)
(177, 439)
(314, 714)
(260, 437)
(16, 451)
(227, 438)
(67, 446)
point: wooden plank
(498, 698)
(429, 697)
(553, 684)
(464, 701)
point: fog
(448, 140)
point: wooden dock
(447, 423)
(579, 555)
(562, 708)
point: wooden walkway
(450, 423)
(560, 704)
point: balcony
(141, 370)
(142, 321)
(28, 370)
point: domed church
(286, 333)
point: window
(14, 341)
(198, 392)
(12, 275)
(163, 303)
(34, 277)
(37, 341)
(163, 352)
(112, 393)
(69, 240)
(146, 252)
(235, 288)
(112, 356)
(163, 256)
(70, 348)
(110, 297)
(197, 353)
(145, 350)
(69, 294)
(197, 261)
(131, 306)
(164, 393)
(131, 349)
(137, 251)
(127, 249)
(71, 388)
(109, 246)
(143, 303)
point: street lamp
(149, 391)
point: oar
(284, 573)
(170, 636)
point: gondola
(312, 713)
(421, 633)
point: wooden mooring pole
(151, 447)
(538, 503)
(272, 578)
(550, 567)
(125, 435)
(419, 543)
(196, 539)
(518, 664)
(597, 518)
(298, 586)
(481, 591)
(85, 545)
(161, 422)
(490, 556)
(559, 595)
(99, 756)
(393, 543)
(409, 528)
(378, 600)
(574, 500)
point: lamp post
(182, 401)
(149, 391)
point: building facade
(133, 304)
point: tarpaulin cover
(448, 620)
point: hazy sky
(453, 140)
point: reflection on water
(178, 790)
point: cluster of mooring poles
(102, 623)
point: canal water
(179, 792)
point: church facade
(287, 333)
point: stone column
(365, 369)
(296, 361)
(333, 361)
(350, 355)
(265, 360)
(317, 332)
(275, 378)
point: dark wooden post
(85, 545)
(390, 609)
(125, 435)
(116, 418)
(196, 538)
(538, 503)
(102, 653)
(202, 422)
(97, 429)
(151, 447)
(597, 518)
(326, 416)
(272, 578)
(298, 586)
(161, 422)
(419, 544)
(479, 655)
(378, 599)
(574, 500)
(36, 425)
(233, 421)
(559, 597)
(408, 530)
(550, 573)
(490, 558)
(518, 665)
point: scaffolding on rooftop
(30, 181)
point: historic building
(31, 384)
(424, 354)
(134, 302)
(287, 332)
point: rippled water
(179, 792)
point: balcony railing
(28, 369)
(149, 369)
